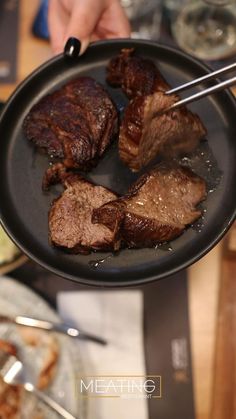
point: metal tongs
(206, 92)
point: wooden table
(204, 276)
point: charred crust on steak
(76, 123)
(135, 75)
(144, 134)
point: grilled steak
(70, 223)
(75, 123)
(144, 135)
(157, 207)
(135, 75)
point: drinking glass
(172, 8)
(145, 17)
(207, 28)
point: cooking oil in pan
(204, 164)
(165, 247)
(96, 264)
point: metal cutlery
(202, 79)
(203, 93)
(206, 92)
(52, 327)
(13, 372)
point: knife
(52, 327)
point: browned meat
(137, 76)
(53, 175)
(70, 223)
(75, 123)
(144, 135)
(157, 208)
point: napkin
(117, 316)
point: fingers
(117, 15)
(84, 45)
(113, 23)
(57, 23)
(76, 19)
(83, 20)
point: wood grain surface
(224, 378)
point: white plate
(17, 299)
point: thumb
(84, 18)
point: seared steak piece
(70, 223)
(135, 75)
(157, 208)
(144, 134)
(75, 123)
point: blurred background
(193, 313)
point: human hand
(87, 20)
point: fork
(13, 372)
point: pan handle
(72, 48)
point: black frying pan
(24, 208)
